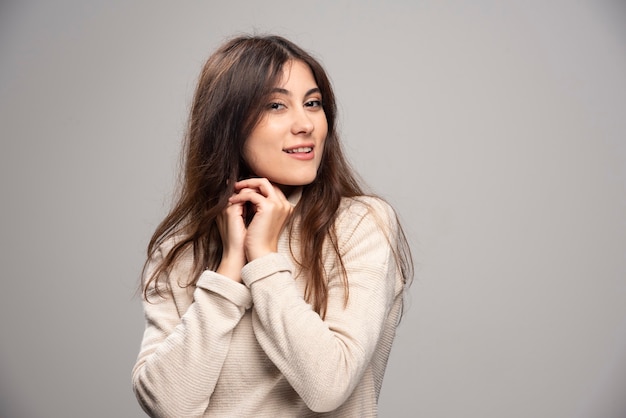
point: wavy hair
(229, 100)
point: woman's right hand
(232, 230)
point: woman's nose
(302, 123)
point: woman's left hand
(271, 212)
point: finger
(247, 189)
(247, 195)
(263, 185)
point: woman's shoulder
(175, 277)
(167, 244)
(364, 205)
(183, 260)
(364, 211)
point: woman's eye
(275, 106)
(313, 103)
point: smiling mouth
(304, 150)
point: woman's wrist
(231, 266)
(253, 254)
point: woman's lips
(301, 153)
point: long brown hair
(230, 96)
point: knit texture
(258, 349)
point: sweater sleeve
(324, 360)
(181, 356)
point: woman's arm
(325, 359)
(181, 356)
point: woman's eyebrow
(288, 93)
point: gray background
(497, 130)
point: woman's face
(287, 143)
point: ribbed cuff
(235, 292)
(265, 266)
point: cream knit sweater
(257, 349)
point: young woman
(274, 286)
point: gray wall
(497, 129)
